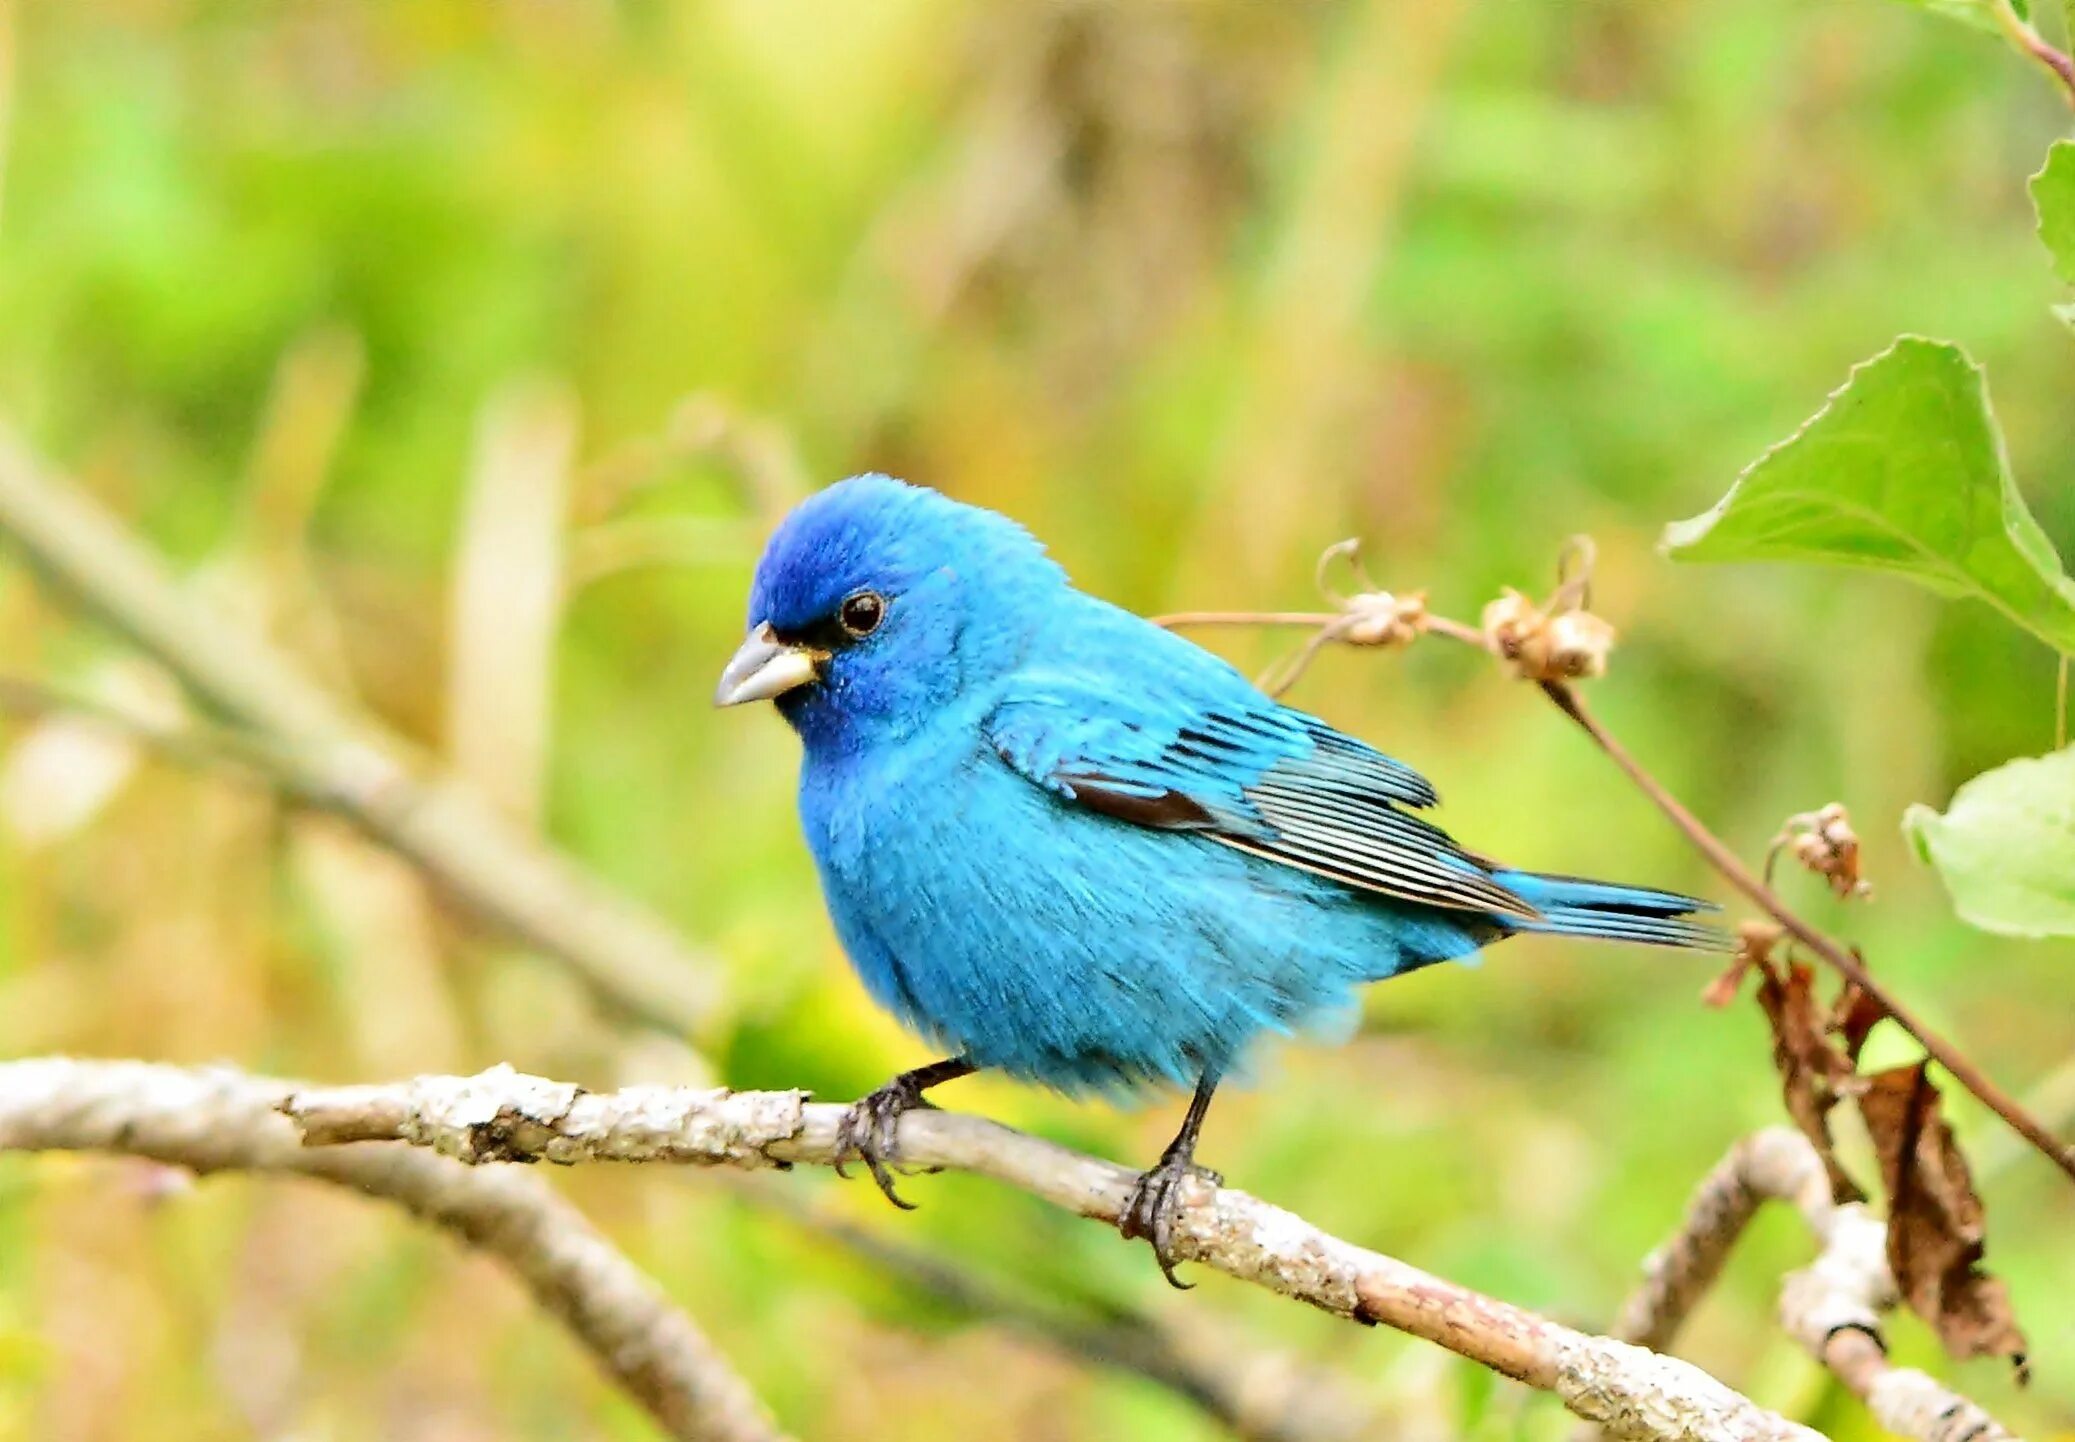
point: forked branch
(1833, 1307)
(504, 1116)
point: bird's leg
(1149, 1211)
(868, 1128)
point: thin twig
(326, 756)
(1845, 962)
(1833, 1307)
(214, 1119)
(193, 745)
(1718, 854)
(503, 1116)
(1182, 620)
(2026, 38)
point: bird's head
(878, 603)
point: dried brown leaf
(1813, 1073)
(1754, 943)
(1936, 1226)
(1855, 1014)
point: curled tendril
(1370, 616)
(1575, 562)
(1350, 551)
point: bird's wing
(1244, 771)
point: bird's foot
(1149, 1211)
(870, 1132)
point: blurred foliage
(1193, 289)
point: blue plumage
(1067, 844)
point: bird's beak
(765, 667)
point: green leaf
(2053, 192)
(1902, 471)
(2006, 847)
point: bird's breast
(896, 831)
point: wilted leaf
(1854, 1017)
(1902, 471)
(2053, 192)
(1754, 943)
(1810, 1068)
(2006, 846)
(1936, 1229)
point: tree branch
(1833, 1307)
(324, 755)
(286, 735)
(215, 1119)
(1258, 1396)
(502, 1115)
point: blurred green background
(471, 349)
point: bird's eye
(861, 613)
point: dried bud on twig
(1371, 616)
(1545, 647)
(1377, 618)
(1578, 643)
(1559, 641)
(1825, 843)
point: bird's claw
(1149, 1211)
(869, 1133)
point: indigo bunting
(1066, 844)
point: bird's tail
(1571, 906)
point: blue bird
(1065, 844)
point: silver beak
(765, 667)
